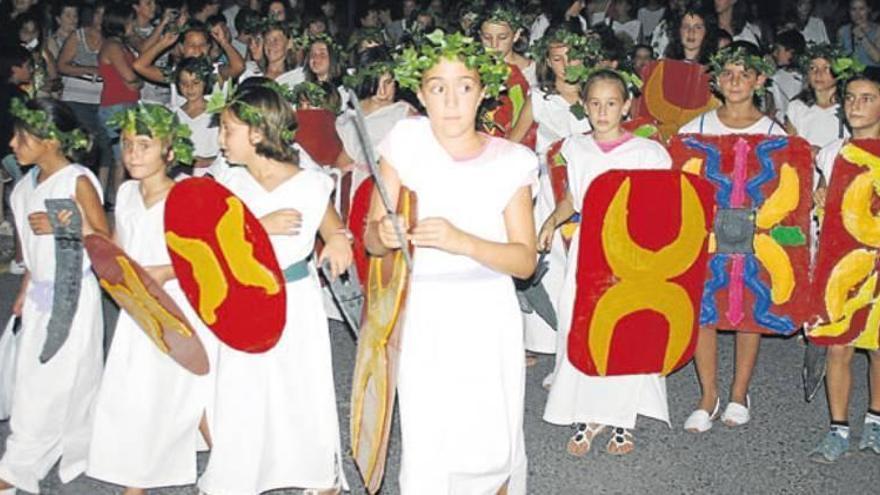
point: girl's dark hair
(335, 71)
(555, 12)
(368, 86)
(605, 75)
(12, 56)
(522, 44)
(794, 41)
(808, 95)
(61, 116)
(194, 66)
(116, 16)
(675, 49)
(751, 50)
(33, 16)
(246, 21)
(288, 11)
(58, 7)
(613, 47)
(741, 15)
(543, 72)
(276, 116)
(289, 59)
(87, 12)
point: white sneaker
(17, 267)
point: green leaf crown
(503, 14)
(221, 100)
(579, 74)
(739, 56)
(412, 63)
(38, 123)
(585, 48)
(374, 70)
(314, 95)
(157, 122)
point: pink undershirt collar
(609, 146)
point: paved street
(766, 456)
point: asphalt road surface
(767, 456)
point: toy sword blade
(348, 294)
(533, 296)
(814, 369)
(370, 155)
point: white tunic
(462, 382)
(786, 85)
(52, 403)
(574, 396)
(709, 123)
(820, 126)
(275, 423)
(148, 408)
(290, 78)
(204, 133)
(555, 122)
(378, 123)
(814, 31)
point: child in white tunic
(815, 114)
(739, 78)
(275, 423)
(193, 78)
(52, 404)
(593, 402)
(461, 374)
(148, 409)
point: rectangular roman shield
(674, 93)
(316, 133)
(844, 306)
(640, 272)
(759, 260)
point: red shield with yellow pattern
(147, 303)
(316, 133)
(357, 224)
(674, 93)
(759, 265)
(225, 264)
(503, 118)
(640, 272)
(844, 298)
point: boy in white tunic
(593, 403)
(52, 404)
(461, 375)
(149, 408)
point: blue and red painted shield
(844, 296)
(674, 93)
(759, 267)
(316, 133)
(225, 264)
(640, 272)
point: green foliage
(221, 100)
(502, 14)
(587, 49)
(579, 74)
(313, 94)
(739, 56)
(158, 122)
(38, 123)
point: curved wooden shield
(640, 272)
(374, 386)
(147, 303)
(760, 247)
(844, 297)
(675, 92)
(316, 133)
(225, 264)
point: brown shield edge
(374, 386)
(186, 351)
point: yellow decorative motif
(855, 207)
(239, 252)
(137, 301)
(206, 270)
(864, 297)
(782, 201)
(778, 265)
(693, 166)
(643, 277)
(849, 271)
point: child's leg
(871, 431)
(838, 381)
(706, 358)
(134, 491)
(875, 380)
(747, 345)
(621, 442)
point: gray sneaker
(870, 438)
(832, 448)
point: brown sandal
(579, 443)
(621, 442)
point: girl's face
(144, 156)
(371, 19)
(145, 9)
(195, 44)
(724, 5)
(641, 58)
(557, 58)
(738, 84)
(28, 33)
(498, 37)
(451, 94)
(692, 32)
(275, 44)
(29, 148)
(819, 75)
(22, 74)
(68, 19)
(858, 12)
(606, 106)
(277, 12)
(317, 27)
(386, 89)
(190, 86)
(235, 139)
(861, 103)
(319, 59)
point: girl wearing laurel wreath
(51, 410)
(593, 403)
(815, 113)
(324, 64)
(193, 77)
(739, 74)
(148, 409)
(461, 374)
(275, 424)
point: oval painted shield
(225, 264)
(147, 303)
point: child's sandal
(621, 442)
(579, 443)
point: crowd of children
(463, 103)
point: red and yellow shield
(316, 133)
(357, 224)
(640, 272)
(147, 303)
(760, 245)
(225, 264)
(844, 297)
(503, 118)
(675, 92)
